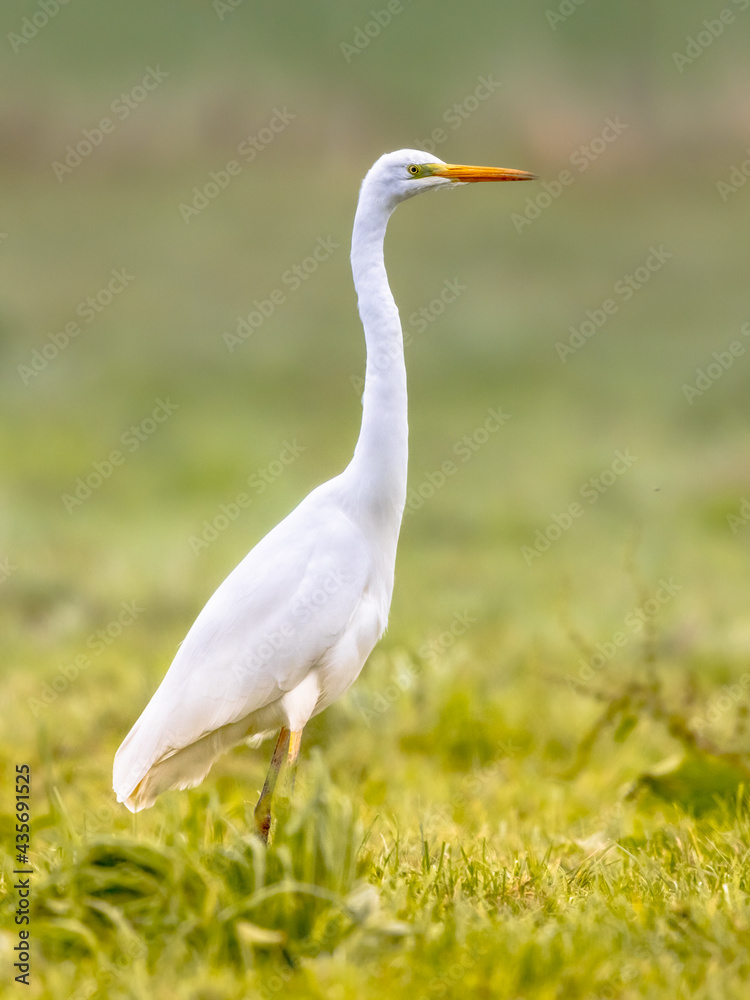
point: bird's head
(400, 175)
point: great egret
(290, 628)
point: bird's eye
(414, 169)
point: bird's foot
(263, 823)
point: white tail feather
(139, 779)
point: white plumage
(283, 635)
(290, 628)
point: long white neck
(380, 458)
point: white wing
(274, 617)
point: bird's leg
(263, 809)
(295, 738)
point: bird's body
(282, 637)
(289, 630)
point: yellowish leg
(287, 746)
(263, 809)
(295, 738)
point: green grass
(492, 810)
(420, 867)
(538, 786)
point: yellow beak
(464, 174)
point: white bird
(289, 630)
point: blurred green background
(184, 86)
(556, 79)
